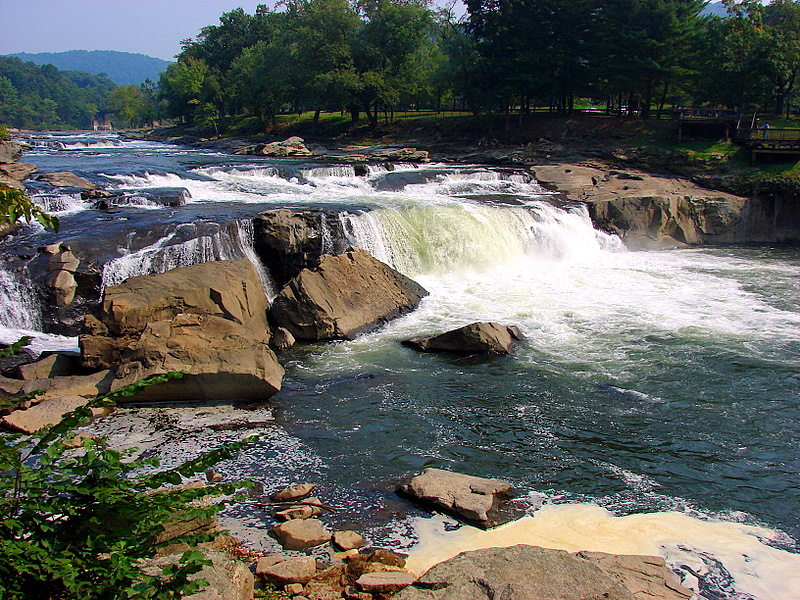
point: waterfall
(20, 306)
(234, 241)
(439, 239)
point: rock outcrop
(228, 578)
(288, 241)
(66, 179)
(344, 296)
(291, 147)
(649, 211)
(207, 320)
(12, 172)
(470, 498)
(475, 338)
(533, 573)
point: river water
(652, 408)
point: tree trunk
(663, 99)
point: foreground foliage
(15, 205)
(78, 518)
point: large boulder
(207, 321)
(470, 498)
(17, 171)
(533, 573)
(344, 296)
(475, 338)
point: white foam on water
(40, 342)
(742, 552)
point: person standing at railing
(766, 131)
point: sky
(151, 27)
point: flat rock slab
(475, 338)
(66, 179)
(46, 413)
(465, 496)
(292, 570)
(384, 583)
(533, 573)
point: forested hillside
(370, 58)
(34, 97)
(123, 68)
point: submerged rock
(345, 296)
(533, 573)
(465, 496)
(475, 338)
(207, 321)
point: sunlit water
(652, 407)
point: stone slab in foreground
(346, 295)
(533, 573)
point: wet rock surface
(345, 296)
(475, 338)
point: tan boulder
(298, 491)
(385, 583)
(348, 540)
(300, 534)
(52, 365)
(207, 321)
(346, 295)
(291, 570)
(17, 171)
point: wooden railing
(759, 134)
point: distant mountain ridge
(123, 68)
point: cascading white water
(465, 236)
(20, 307)
(227, 244)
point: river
(653, 406)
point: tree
(16, 206)
(129, 104)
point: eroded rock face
(475, 338)
(533, 573)
(227, 577)
(207, 320)
(345, 296)
(288, 241)
(471, 498)
(650, 211)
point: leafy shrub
(15, 205)
(78, 522)
(780, 186)
(3, 133)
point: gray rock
(533, 573)
(345, 296)
(475, 338)
(10, 152)
(468, 497)
(227, 577)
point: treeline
(372, 56)
(42, 97)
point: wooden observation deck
(769, 141)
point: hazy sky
(152, 27)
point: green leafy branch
(16, 205)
